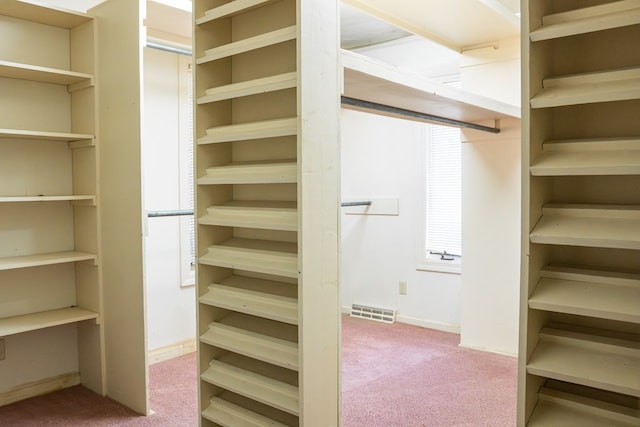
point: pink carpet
(405, 376)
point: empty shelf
(36, 73)
(228, 414)
(268, 257)
(588, 20)
(593, 293)
(71, 198)
(44, 319)
(251, 87)
(229, 9)
(258, 297)
(262, 215)
(588, 157)
(265, 343)
(252, 173)
(605, 226)
(555, 408)
(42, 14)
(258, 387)
(573, 357)
(45, 136)
(249, 44)
(247, 131)
(11, 263)
(607, 86)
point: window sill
(450, 267)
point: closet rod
(368, 105)
(167, 48)
(367, 203)
(178, 212)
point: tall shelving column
(251, 79)
(50, 281)
(580, 306)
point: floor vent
(373, 313)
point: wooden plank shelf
(615, 156)
(252, 173)
(44, 319)
(90, 199)
(232, 8)
(572, 357)
(226, 414)
(43, 14)
(27, 261)
(258, 297)
(266, 340)
(262, 215)
(587, 88)
(45, 136)
(246, 45)
(556, 408)
(606, 226)
(250, 87)
(261, 388)
(249, 131)
(259, 256)
(587, 20)
(592, 293)
(14, 70)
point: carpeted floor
(392, 376)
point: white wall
(381, 158)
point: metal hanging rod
(367, 203)
(168, 48)
(177, 212)
(368, 105)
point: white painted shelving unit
(580, 308)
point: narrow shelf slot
(259, 256)
(44, 319)
(228, 414)
(263, 389)
(587, 20)
(572, 357)
(252, 43)
(44, 136)
(263, 215)
(606, 226)
(232, 8)
(252, 173)
(258, 297)
(28, 199)
(14, 70)
(261, 339)
(26, 261)
(43, 14)
(606, 86)
(251, 87)
(248, 131)
(619, 156)
(592, 293)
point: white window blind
(443, 191)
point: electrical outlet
(2, 353)
(402, 288)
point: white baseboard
(429, 324)
(174, 350)
(38, 388)
(487, 350)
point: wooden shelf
(619, 156)
(232, 8)
(263, 215)
(593, 293)
(36, 73)
(259, 256)
(606, 226)
(43, 14)
(248, 131)
(605, 86)
(249, 44)
(557, 408)
(26, 261)
(70, 198)
(263, 389)
(265, 340)
(252, 173)
(573, 357)
(588, 20)
(258, 297)
(225, 413)
(45, 136)
(251, 87)
(45, 319)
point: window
(442, 249)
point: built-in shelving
(230, 9)
(26, 261)
(249, 44)
(250, 131)
(42, 320)
(228, 414)
(264, 215)
(43, 14)
(45, 136)
(69, 198)
(251, 87)
(36, 73)
(251, 173)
